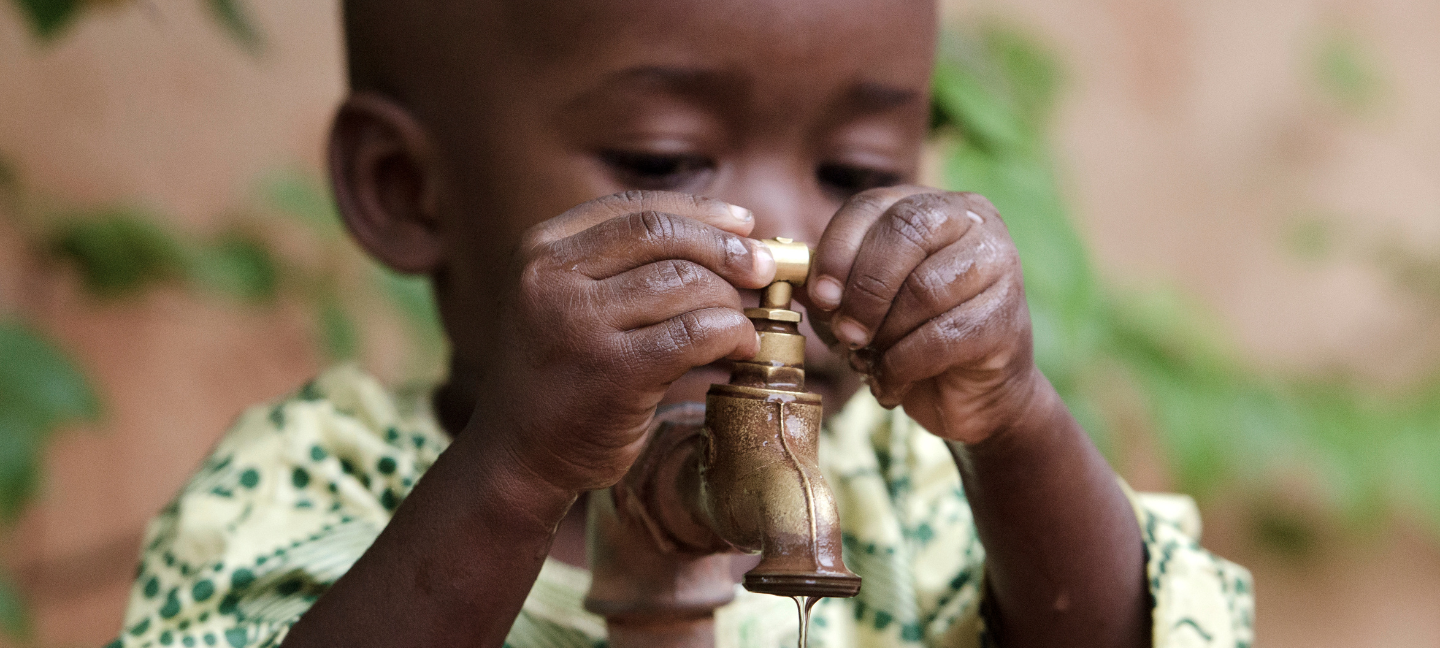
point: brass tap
(741, 474)
(760, 483)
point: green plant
(48, 19)
(41, 389)
(1222, 424)
(120, 253)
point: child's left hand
(923, 289)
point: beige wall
(1190, 141)
(1194, 138)
(150, 104)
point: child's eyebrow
(695, 82)
(869, 96)
(862, 97)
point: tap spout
(761, 488)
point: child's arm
(925, 287)
(613, 301)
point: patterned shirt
(299, 489)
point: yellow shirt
(299, 489)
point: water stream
(804, 609)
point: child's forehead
(558, 30)
(390, 40)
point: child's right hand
(610, 303)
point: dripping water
(804, 609)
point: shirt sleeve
(1199, 599)
(288, 500)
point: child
(472, 132)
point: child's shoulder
(343, 411)
(288, 499)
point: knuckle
(872, 288)
(927, 288)
(677, 274)
(653, 226)
(918, 218)
(733, 251)
(701, 204)
(627, 197)
(878, 198)
(682, 332)
(870, 199)
(999, 252)
(533, 237)
(626, 202)
(979, 203)
(533, 279)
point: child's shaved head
(472, 121)
(386, 42)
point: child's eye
(846, 179)
(658, 170)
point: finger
(717, 213)
(630, 241)
(835, 252)
(908, 233)
(982, 336)
(663, 352)
(658, 291)
(945, 280)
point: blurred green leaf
(1345, 72)
(13, 619)
(292, 192)
(997, 156)
(413, 298)
(39, 384)
(1417, 273)
(238, 265)
(1285, 531)
(237, 22)
(1033, 75)
(48, 18)
(40, 388)
(1311, 238)
(982, 114)
(20, 444)
(339, 334)
(1221, 423)
(118, 252)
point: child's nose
(785, 198)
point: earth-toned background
(1275, 163)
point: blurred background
(1229, 214)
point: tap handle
(792, 267)
(792, 260)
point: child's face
(781, 106)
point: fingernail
(851, 332)
(741, 214)
(974, 217)
(764, 261)
(826, 292)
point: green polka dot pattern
(299, 489)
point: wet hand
(922, 289)
(611, 302)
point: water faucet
(760, 482)
(740, 474)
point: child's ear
(386, 177)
